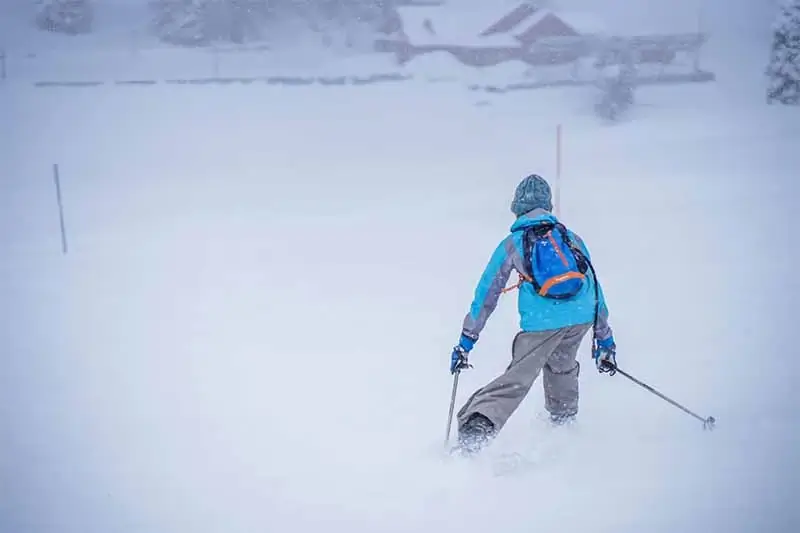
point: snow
(454, 26)
(116, 23)
(440, 67)
(585, 23)
(626, 19)
(251, 330)
(116, 65)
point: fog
(250, 326)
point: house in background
(493, 32)
(529, 24)
(491, 35)
(524, 24)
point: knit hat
(533, 192)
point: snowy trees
(784, 67)
(348, 23)
(179, 21)
(198, 22)
(616, 78)
(66, 16)
(342, 23)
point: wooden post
(558, 171)
(57, 181)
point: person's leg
(560, 377)
(489, 408)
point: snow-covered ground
(123, 49)
(252, 327)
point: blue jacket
(536, 312)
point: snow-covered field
(122, 50)
(252, 327)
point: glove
(459, 357)
(605, 356)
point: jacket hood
(532, 218)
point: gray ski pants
(553, 351)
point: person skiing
(559, 300)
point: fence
(148, 66)
(160, 64)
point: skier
(559, 301)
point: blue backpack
(557, 268)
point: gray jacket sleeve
(505, 259)
(602, 328)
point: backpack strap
(596, 305)
(531, 233)
(585, 265)
(583, 261)
(522, 279)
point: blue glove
(605, 356)
(459, 357)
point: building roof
(501, 23)
(651, 18)
(548, 26)
(582, 23)
(447, 24)
(522, 13)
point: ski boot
(474, 435)
(562, 419)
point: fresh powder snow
(251, 327)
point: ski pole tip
(709, 423)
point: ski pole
(708, 423)
(452, 407)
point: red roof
(527, 24)
(510, 20)
(550, 25)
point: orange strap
(558, 279)
(522, 279)
(547, 286)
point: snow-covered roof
(543, 23)
(451, 25)
(654, 19)
(582, 22)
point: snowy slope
(251, 330)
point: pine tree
(199, 22)
(181, 21)
(784, 67)
(351, 23)
(65, 16)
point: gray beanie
(533, 192)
